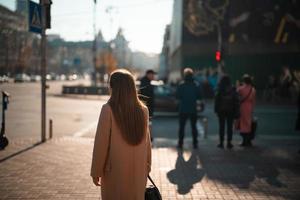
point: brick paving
(59, 169)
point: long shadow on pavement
(186, 173)
(258, 169)
(19, 152)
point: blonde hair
(128, 110)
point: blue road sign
(35, 17)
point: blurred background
(89, 39)
(54, 85)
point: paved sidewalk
(59, 169)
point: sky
(143, 21)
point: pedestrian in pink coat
(247, 95)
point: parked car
(165, 98)
(19, 78)
(72, 77)
(4, 79)
(62, 77)
(35, 78)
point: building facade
(17, 44)
(254, 37)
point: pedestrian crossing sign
(35, 17)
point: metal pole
(220, 67)
(95, 45)
(50, 128)
(43, 73)
(3, 116)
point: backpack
(227, 103)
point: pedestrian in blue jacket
(188, 92)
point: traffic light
(218, 56)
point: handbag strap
(245, 98)
(151, 180)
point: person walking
(247, 95)
(147, 94)
(227, 109)
(297, 127)
(122, 149)
(188, 92)
(147, 90)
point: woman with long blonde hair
(122, 148)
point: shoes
(221, 146)
(195, 146)
(242, 144)
(229, 145)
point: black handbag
(152, 192)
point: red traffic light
(218, 56)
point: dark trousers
(182, 120)
(229, 122)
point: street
(206, 57)
(59, 168)
(78, 116)
(273, 121)
(23, 117)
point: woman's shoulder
(145, 108)
(106, 108)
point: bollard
(50, 128)
(3, 139)
(205, 126)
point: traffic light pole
(220, 67)
(95, 46)
(43, 73)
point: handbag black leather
(253, 128)
(152, 192)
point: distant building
(15, 42)
(255, 37)
(66, 57)
(22, 7)
(142, 61)
(52, 37)
(120, 49)
(164, 56)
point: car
(62, 77)
(35, 78)
(4, 79)
(20, 78)
(72, 77)
(165, 98)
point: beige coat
(123, 168)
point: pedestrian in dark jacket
(147, 95)
(298, 116)
(188, 92)
(147, 90)
(227, 108)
